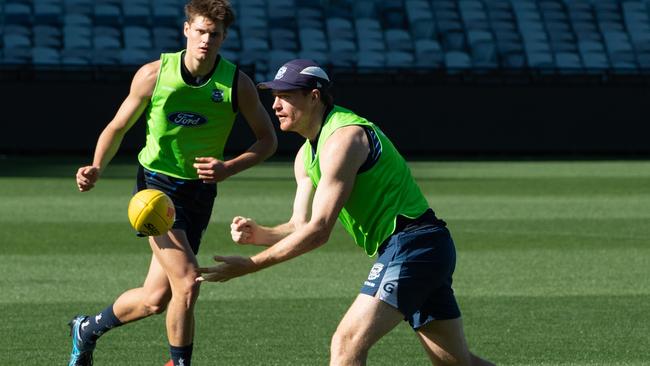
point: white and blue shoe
(82, 352)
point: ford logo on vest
(186, 119)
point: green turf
(553, 267)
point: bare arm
(111, 137)
(213, 170)
(245, 230)
(343, 154)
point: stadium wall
(422, 118)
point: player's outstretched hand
(230, 267)
(87, 177)
(211, 170)
(244, 230)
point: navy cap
(298, 74)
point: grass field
(553, 267)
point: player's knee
(187, 289)
(346, 342)
(157, 303)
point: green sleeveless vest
(184, 121)
(379, 194)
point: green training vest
(379, 194)
(185, 121)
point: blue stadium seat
(106, 57)
(48, 12)
(17, 13)
(167, 14)
(46, 56)
(15, 40)
(568, 62)
(371, 60)
(540, 60)
(365, 9)
(232, 42)
(281, 11)
(420, 19)
(339, 28)
(137, 37)
(398, 40)
(47, 36)
(595, 61)
(455, 60)
(135, 56)
(17, 55)
(284, 39)
(428, 53)
(400, 59)
(107, 14)
(168, 39)
(319, 56)
(278, 58)
(136, 13)
(310, 18)
(313, 40)
(78, 7)
(75, 57)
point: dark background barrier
(424, 115)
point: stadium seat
(398, 40)
(107, 14)
(428, 53)
(17, 55)
(278, 58)
(456, 60)
(47, 36)
(17, 13)
(400, 59)
(371, 61)
(75, 57)
(168, 39)
(78, 7)
(283, 39)
(16, 41)
(313, 40)
(136, 57)
(568, 62)
(46, 56)
(47, 12)
(167, 14)
(136, 13)
(365, 9)
(339, 28)
(137, 37)
(322, 58)
(281, 11)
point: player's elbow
(270, 141)
(319, 233)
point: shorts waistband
(403, 223)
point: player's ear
(315, 95)
(186, 29)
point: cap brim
(277, 85)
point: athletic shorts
(413, 273)
(192, 199)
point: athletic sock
(181, 356)
(95, 326)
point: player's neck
(317, 119)
(199, 68)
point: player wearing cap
(353, 172)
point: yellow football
(151, 212)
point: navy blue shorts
(413, 273)
(192, 199)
